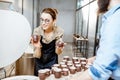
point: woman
(49, 35)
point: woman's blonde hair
(52, 11)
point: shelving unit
(81, 46)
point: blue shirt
(107, 63)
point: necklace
(49, 36)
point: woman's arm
(37, 48)
(91, 60)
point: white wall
(29, 9)
(66, 15)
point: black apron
(48, 57)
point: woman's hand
(36, 44)
(60, 46)
(60, 43)
(91, 60)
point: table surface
(22, 77)
(51, 77)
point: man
(107, 61)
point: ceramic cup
(57, 73)
(65, 72)
(42, 74)
(48, 72)
(67, 58)
(72, 70)
(35, 38)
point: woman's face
(46, 21)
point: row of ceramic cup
(65, 67)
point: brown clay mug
(67, 58)
(48, 72)
(42, 74)
(57, 73)
(83, 59)
(65, 72)
(78, 67)
(74, 59)
(72, 70)
(35, 38)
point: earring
(55, 24)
